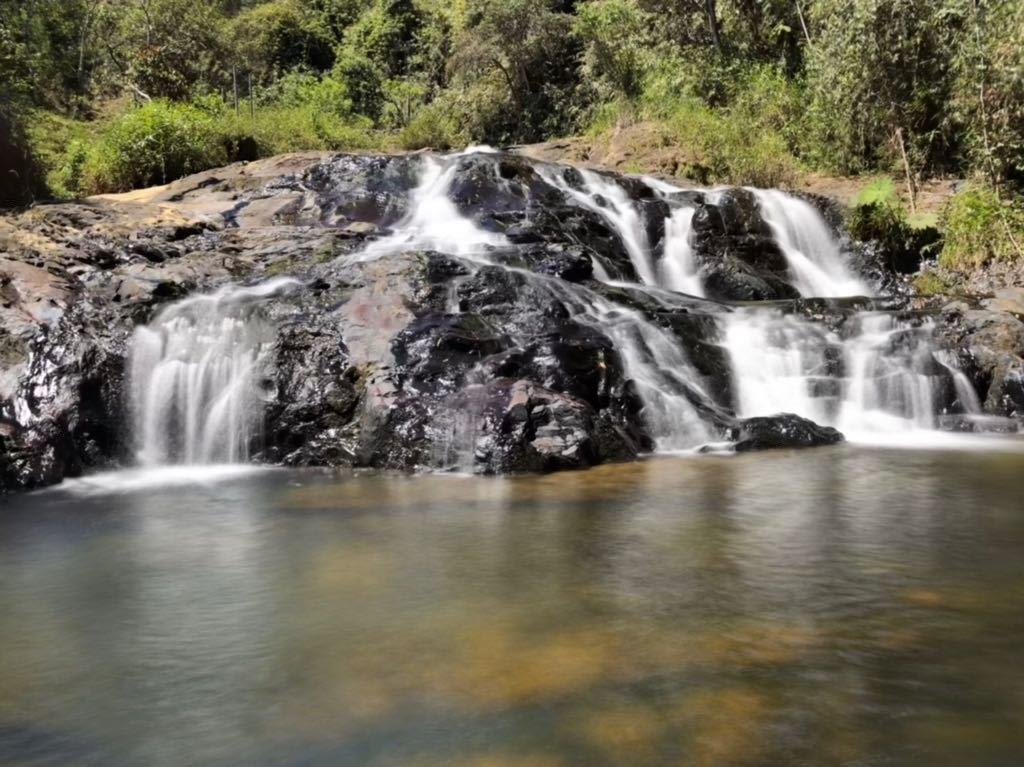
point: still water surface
(835, 606)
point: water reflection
(822, 607)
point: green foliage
(276, 37)
(362, 83)
(385, 36)
(435, 126)
(617, 48)
(879, 78)
(931, 283)
(302, 89)
(989, 96)
(62, 146)
(979, 227)
(290, 129)
(167, 48)
(154, 144)
(878, 215)
(517, 60)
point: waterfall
(610, 201)
(814, 257)
(197, 370)
(666, 381)
(195, 377)
(881, 375)
(679, 270)
(433, 221)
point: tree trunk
(713, 27)
(911, 185)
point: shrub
(362, 82)
(878, 215)
(979, 226)
(62, 146)
(277, 129)
(152, 144)
(434, 126)
(931, 283)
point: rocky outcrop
(988, 336)
(407, 357)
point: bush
(435, 126)
(277, 129)
(931, 283)
(878, 216)
(362, 83)
(152, 144)
(980, 227)
(62, 146)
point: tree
(989, 98)
(525, 49)
(879, 78)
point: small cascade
(195, 377)
(882, 375)
(433, 221)
(668, 384)
(609, 200)
(815, 259)
(679, 269)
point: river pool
(844, 605)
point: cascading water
(883, 376)
(196, 370)
(679, 270)
(667, 383)
(610, 201)
(879, 375)
(195, 377)
(433, 221)
(814, 257)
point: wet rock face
(737, 252)
(988, 338)
(405, 360)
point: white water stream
(883, 379)
(195, 377)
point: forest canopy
(102, 95)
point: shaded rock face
(987, 336)
(737, 252)
(411, 358)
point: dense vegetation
(104, 95)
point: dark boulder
(737, 252)
(784, 430)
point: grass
(931, 283)
(980, 227)
(160, 141)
